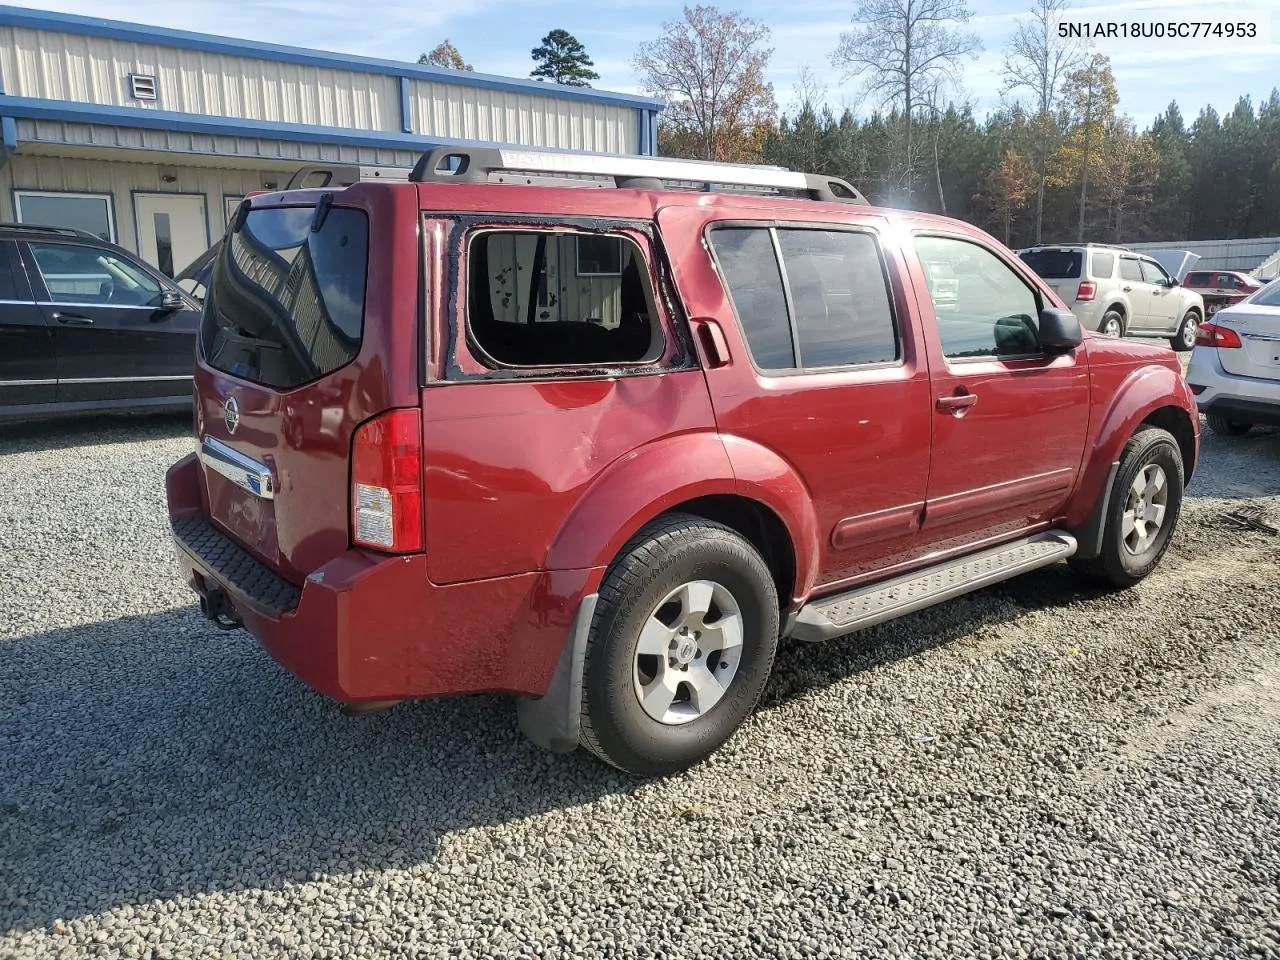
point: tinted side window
(1198, 279)
(8, 282)
(79, 274)
(1104, 264)
(983, 308)
(1129, 269)
(1153, 273)
(840, 296)
(750, 272)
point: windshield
(1054, 264)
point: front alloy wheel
(1144, 511)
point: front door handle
(957, 404)
(1126, 289)
(75, 319)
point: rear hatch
(294, 356)
(1060, 268)
(1256, 324)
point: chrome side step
(831, 617)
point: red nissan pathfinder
(599, 432)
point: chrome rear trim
(243, 471)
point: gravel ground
(1035, 770)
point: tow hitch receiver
(216, 607)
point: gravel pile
(1037, 770)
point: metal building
(1246, 256)
(151, 137)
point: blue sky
(496, 36)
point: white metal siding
(121, 180)
(478, 113)
(64, 66)
(573, 298)
(1245, 254)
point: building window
(142, 86)
(80, 211)
(232, 204)
(599, 256)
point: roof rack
(342, 175)
(515, 165)
(599, 170)
(44, 228)
(1073, 243)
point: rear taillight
(386, 483)
(1087, 290)
(1215, 335)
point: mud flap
(554, 720)
(1089, 534)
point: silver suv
(1117, 292)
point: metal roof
(1243, 254)
(139, 33)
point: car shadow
(30, 436)
(155, 757)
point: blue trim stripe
(8, 133)
(138, 117)
(137, 33)
(406, 105)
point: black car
(87, 326)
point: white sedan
(1235, 369)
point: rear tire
(1112, 324)
(1142, 514)
(1185, 338)
(650, 704)
(1227, 428)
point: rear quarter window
(1104, 265)
(286, 302)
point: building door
(172, 229)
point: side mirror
(171, 301)
(1174, 282)
(1059, 330)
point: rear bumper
(1247, 399)
(366, 626)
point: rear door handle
(958, 403)
(75, 319)
(1126, 289)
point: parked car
(1235, 369)
(1221, 288)
(1119, 293)
(87, 326)
(602, 448)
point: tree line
(1056, 162)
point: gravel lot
(1036, 770)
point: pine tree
(562, 59)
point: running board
(831, 617)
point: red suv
(542, 424)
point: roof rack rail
(544, 167)
(44, 228)
(1074, 243)
(342, 175)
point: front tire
(1227, 428)
(1185, 338)
(681, 646)
(1146, 500)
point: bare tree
(709, 69)
(1038, 60)
(904, 50)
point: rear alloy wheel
(1227, 428)
(1146, 500)
(1185, 338)
(1112, 324)
(681, 646)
